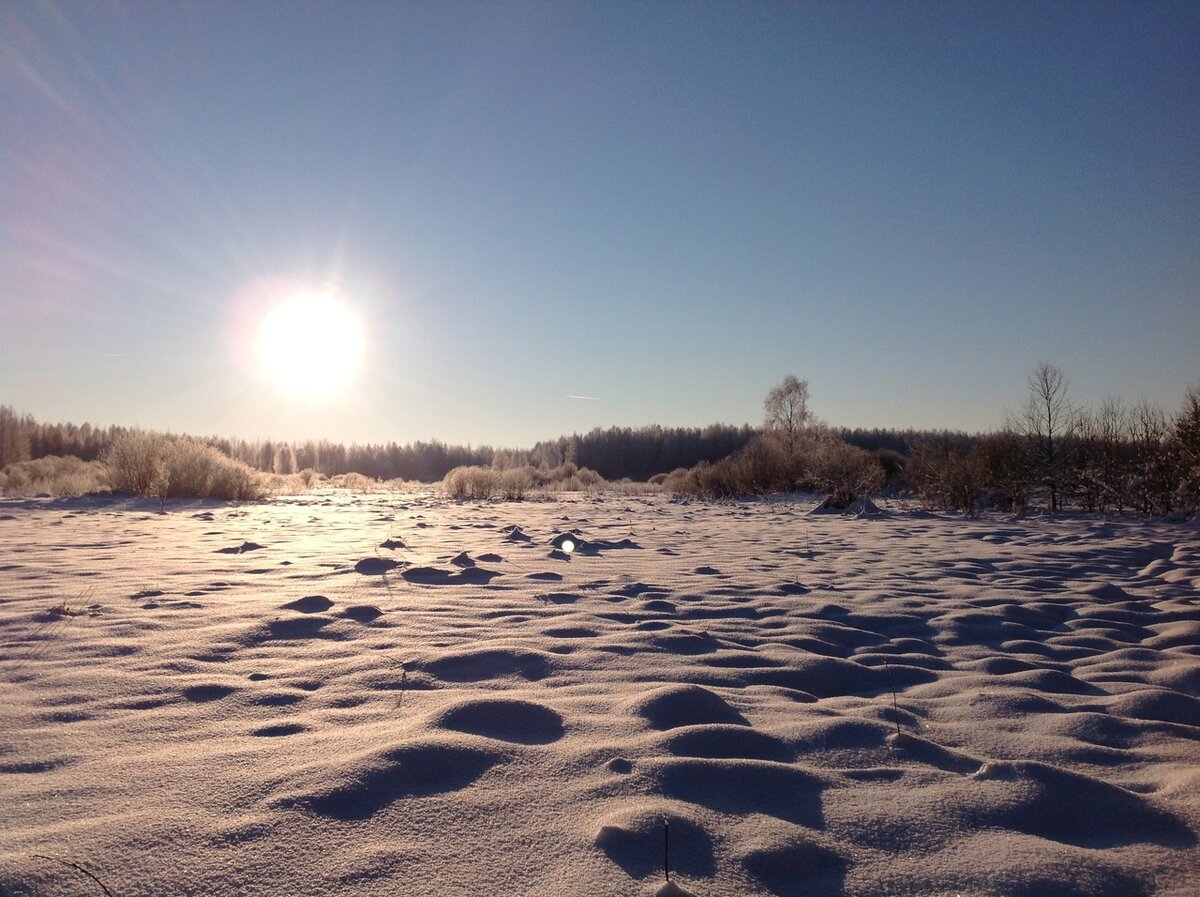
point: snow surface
(265, 700)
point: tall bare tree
(1047, 422)
(786, 411)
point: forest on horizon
(1115, 457)
(616, 453)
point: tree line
(1052, 451)
(616, 453)
(1115, 457)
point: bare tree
(786, 411)
(1187, 440)
(1047, 422)
(1187, 423)
(14, 436)
(1104, 458)
(1003, 465)
(1154, 471)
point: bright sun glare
(310, 344)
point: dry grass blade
(76, 866)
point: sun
(310, 344)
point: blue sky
(663, 206)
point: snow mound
(858, 507)
(673, 706)
(362, 786)
(506, 719)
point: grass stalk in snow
(667, 848)
(78, 867)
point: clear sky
(663, 207)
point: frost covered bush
(57, 475)
(518, 483)
(515, 482)
(197, 470)
(234, 481)
(190, 468)
(626, 486)
(839, 468)
(705, 480)
(816, 460)
(150, 464)
(356, 482)
(766, 464)
(588, 479)
(137, 463)
(471, 482)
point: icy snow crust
(265, 700)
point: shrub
(680, 481)
(234, 481)
(626, 486)
(892, 464)
(191, 468)
(843, 469)
(589, 480)
(706, 480)
(765, 465)
(566, 477)
(137, 463)
(471, 482)
(945, 478)
(515, 482)
(57, 475)
(721, 480)
(150, 464)
(355, 482)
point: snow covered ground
(257, 700)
